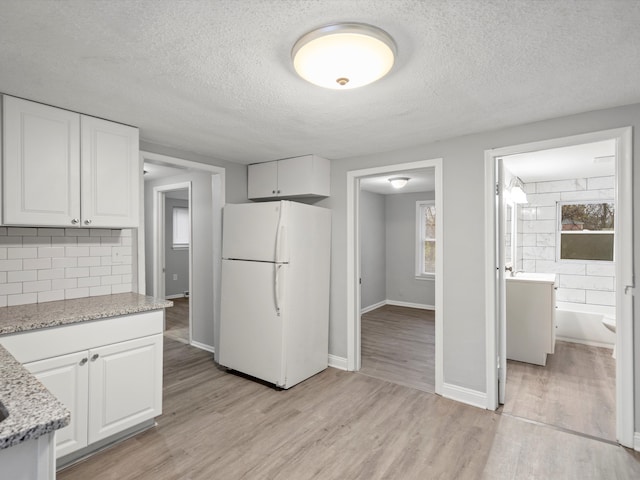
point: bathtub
(582, 323)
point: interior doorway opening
(354, 259)
(587, 282)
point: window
(180, 228)
(586, 230)
(425, 239)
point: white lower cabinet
(106, 389)
(107, 372)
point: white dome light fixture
(399, 182)
(343, 56)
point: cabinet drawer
(54, 341)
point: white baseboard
(202, 346)
(421, 306)
(171, 297)
(636, 441)
(464, 395)
(373, 307)
(585, 342)
(337, 362)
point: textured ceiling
(215, 77)
(420, 180)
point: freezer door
(251, 330)
(255, 231)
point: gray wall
(176, 261)
(402, 285)
(372, 249)
(463, 231)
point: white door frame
(159, 243)
(624, 269)
(218, 202)
(353, 261)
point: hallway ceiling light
(399, 182)
(342, 56)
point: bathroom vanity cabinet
(531, 317)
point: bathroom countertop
(32, 410)
(51, 314)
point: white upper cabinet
(65, 169)
(306, 176)
(110, 173)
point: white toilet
(610, 322)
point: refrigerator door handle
(277, 288)
(280, 233)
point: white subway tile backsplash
(89, 281)
(75, 272)
(528, 240)
(37, 286)
(51, 252)
(3, 277)
(11, 241)
(76, 251)
(22, 232)
(588, 195)
(601, 298)
(88, 261)
(22, 276)
(547, 213)
(545, 240)
(64, 241)
(50, 274)
(50, 296)
(608, 269)
(528, 213)
(65, 262)
(76, 293)
(36, 263)
(570, 295)
(100, 271)
(100, 232)
(570, 185)
(36, 241)
(101, 290)
(89, 241)
(546, 266)
(539, 226)
(3, 230)
(3, 253)
(64, 284)
(110, 241)
(51, 232)
(76, 232)
(3, 300)
(121, 269)
(21, 252)
(542, 199)
(586, 282)
(8, 265)
(111, 279)
(539, 253)
(101, 251)
(10, 288)
(22, 299)
(122, 288)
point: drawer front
(54, 341)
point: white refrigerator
(274, 322)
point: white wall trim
(590, 343)
(421, 306)
(373, 307)
(338, 362)
(353, 261)
(202, 346)
(465, 395)
(636, 441)
(172, 297)
(625, 408)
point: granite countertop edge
(32, 410)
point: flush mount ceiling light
(399, 182)
(342, 56)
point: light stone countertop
(32, 410)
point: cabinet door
(41, 159)
(263, 180)
(110, 174)
(125, 385)
(67, 378)
(295, 176)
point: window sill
(431, 277)
(180, 247)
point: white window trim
(176, 232)
(559, 232)
(419, 248)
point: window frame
(559, 231)
(178, 223)
(420, 239)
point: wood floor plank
(336, 425)
(177, 320)
(575, 390)
(398, 345)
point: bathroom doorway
(562, 209)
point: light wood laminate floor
(575, 390)
(177, 320)
(337, 425)
(398, 345)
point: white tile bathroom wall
(579, 282)
(47, 264)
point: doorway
(354, 259)
(584, 284)
(205, 199)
